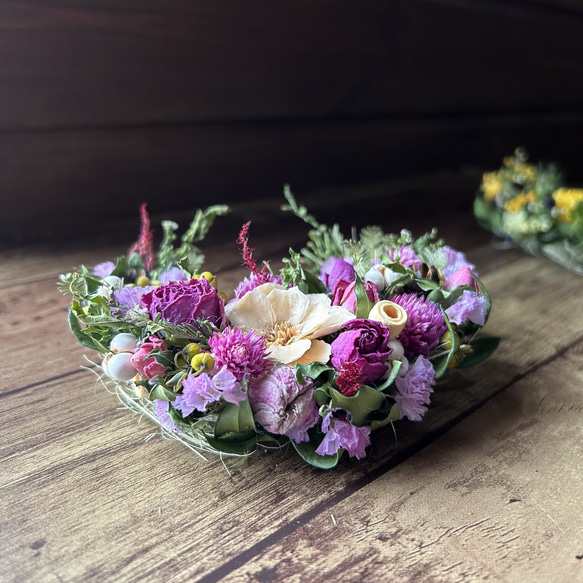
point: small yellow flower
(492, 184)
(517, 203)
(143, 281)
(526, 171)
(566, 199)
(202, 362)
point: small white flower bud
(376, 278)
(118, 366)
(123, 342)
(397, 351)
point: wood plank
(98, 501)
(77, 183)
(94, 64)
(497, 498)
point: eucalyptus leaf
(393, 415)
(235, 419)
(360, 405)
(307, 451)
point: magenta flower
(200, 391)
(342, 434)
(463, 276)
(244, 355)
(334, 270)
(455, 260)
(283, 406)
(185, 302)
(103, 269)
(470, 306)
(425, 324)
(343, 294)
(405, 256)
(366, 343)
(164, 416)
(143, 360)
(253, 281)
(414, 389)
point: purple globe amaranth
(365, 342)
(425, 324)
(184, 302)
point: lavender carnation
(405, 256)
(414, 389)
(470, 306)
(164, 416)
(103, 269)
(455, 260)
(425, 324)
(282, 405)
(129, 297)
(243, 354)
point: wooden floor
(488, 487)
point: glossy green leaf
(235, 419)
(360, 405)
(441, 364)
(393, 415)
(161, 392)
(307, 451)
(238, 443)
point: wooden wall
(182, 103)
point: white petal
(252, 312)
(291, 352)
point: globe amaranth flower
(255, 280)
(470, 306)
(290, 321)
(243, 354)
(340, 433)
(200, 391)
(366, 343)
(144, 361)
(414, 389)
(283, 406)
(425, 324)
(185, 302)
(334, 270)
(103, 269)
(164, 416)
(405, 256)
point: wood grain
(85, 499)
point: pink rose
(143, 360)
(463, 276)
(185, 302)
(343, 294)
(366, 343)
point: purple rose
(334, 270)
(365, 342)
(343, 294)
(185, 302)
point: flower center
(283, 333)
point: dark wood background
(183, 103)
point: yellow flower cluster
(566, 199)
(517, 203)
(492, 184)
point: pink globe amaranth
(185, 302)
(143, 360)
(365, 342)
(425, 324)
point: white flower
(290, 321)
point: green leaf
(82, 338)
(135, 262)
(363, 304)
(427, 284)
(307, 451)
(360, 405)
(161, 392)
(395, 368)
(237, 443)
(393, 415)
(235, 419)
(441, 364)
(314, 371)
(121, 267)
(481, 349)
